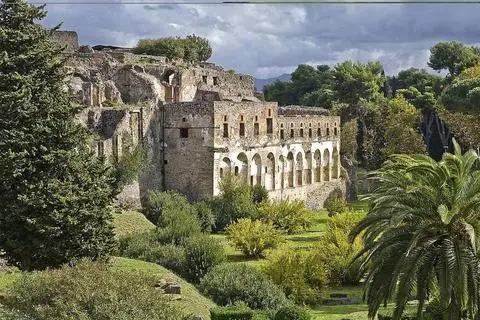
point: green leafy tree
(192, 48)
(54, 193)
(420, 79)
(452, 56)
(170, 47)
(354, 81)
(197, 48)
(422, 230)
(402, 134)
(309, 86)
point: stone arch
(290, 168)
(299, 168)
(225, 167)
(317, 158)
(326, 165)
(281, 171)
(270, 172)
(241, 169)
(335, 164)
(308, 167)
(256, 170)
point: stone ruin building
(199, 122)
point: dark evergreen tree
(54, 193)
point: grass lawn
(191, 300)
(130, 222)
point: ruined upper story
(108, 76)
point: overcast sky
(269, 40)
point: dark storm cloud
(267, 40)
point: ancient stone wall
(67, 39)
(189, 148)
(228, 84)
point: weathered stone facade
(198, 122)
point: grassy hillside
(191, 300)
(130, 222)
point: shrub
(173, 214)
(192, 48)
(233, 203)
(253, 237)
(145, 247)
(89, 291)
(335, 203)
(230, 283)
(201, 254)
(205, 215)
(234, 312)
(335, 250)
(130, 164)
(297, 272)
(259, 194)
(290, 216)
(292, 312)
(407, 315)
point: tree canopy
(192, 48)
(453, 56)
(54, 193)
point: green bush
(290, 216)
(407, 315)
(233, 203)
(253, 237)
(234, 312)
(130, 164)
(259, 194)
(336, 251)
(205, 215)
(201, 254)
(297, 272)
(192, 48)
(89, 291)
(176, 218)
(145, 247)
(335, 203)
(292, 312)
(229, 283)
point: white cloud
(268, 40)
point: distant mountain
(260, 83)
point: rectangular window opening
(282, 135)
(215, 81)
(183, 132)
(256, 129)
(292, 133)
(301, 133)
(204, 79)
(225, 130)
(310, 132)
(242, 129)
(269, 126)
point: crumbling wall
(67, 39)
(228, 84)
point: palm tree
(422, 231)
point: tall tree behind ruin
(54, 193)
